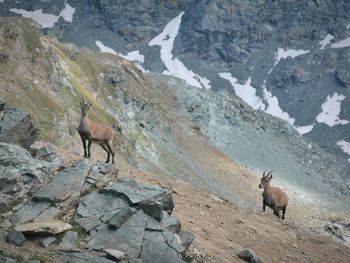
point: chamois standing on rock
(91, 131)
(273, 197)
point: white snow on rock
(331, 110)
(326, 41)
(134, 56)
(342, 43)
(46, 20)
(345, 146)
(245, 91)
(248, 93)
(174, 66)
(290, 53)
(274, 108)
(67, 13)
(104, 48)
(304, 129)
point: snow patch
(331, 110)
(326, 41)
(290, 53)
(342, 43)
(46, 20)
(274, 108)
(304, 129)
(134, 56)
(67, 13)
(245, 91)
(174, 66)
(104, 48)
(345, 146)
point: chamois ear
(264, 173)
(270, 177)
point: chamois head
(265, 179)
(85, 106)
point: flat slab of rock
(52, 227)
(96, 209)
(69, 241)
(77, 257)
(29, 212)
(128, 238)
(157, 250)
(135, 192)
(65, 184)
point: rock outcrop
(16, 127)
(124, 220)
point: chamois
(91, 131)
(273, 197)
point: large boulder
(20, 173)
(16, 127)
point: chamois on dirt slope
(273, 197)
(91, 131)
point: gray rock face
(185, 238)
(138, 22)
(48, 154)
(16, 238)
(110, 218)
(65, 184)
(120, 217)
(19, 172)
(16, 127)
(134, 192)
(69, 241)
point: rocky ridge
(147, 232)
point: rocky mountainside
(166, 127)
(288, 59)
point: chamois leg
(276, 211)
(105, 148)
(284, 211)
(88, 148)
(110, 148)
(264, 206)
(84, 146)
